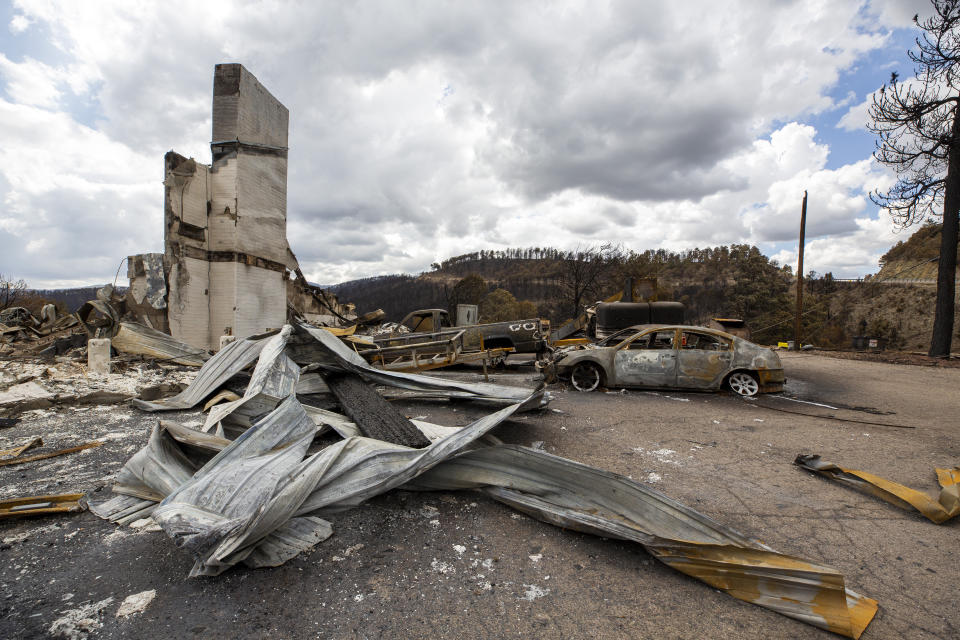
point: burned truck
(520, 336)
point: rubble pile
(22, 333)
(26, 386)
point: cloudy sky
(422, 130)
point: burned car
(673, 357)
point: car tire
(586, 377)
(743, 383)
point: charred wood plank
(374, 416)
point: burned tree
(469, 290)
(582, 273)
(918, 124)
(10, 291)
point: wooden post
(483, 349)
(796, 325)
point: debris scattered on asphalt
(945, 507)
(262, 498)
(13, 452)
(79, 623)
(50, 454)
(42, 505)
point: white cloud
(31, 82)
(897, 13)
(423, 131)
(19, 24)
(64, 186)
(846, 255)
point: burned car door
(648, 360)
(703, 360)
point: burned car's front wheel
(586, 376)
(744, 384)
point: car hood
(577, 353)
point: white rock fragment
(537, 557)
(146, 525)
(441, 567)
(349, 551)
(460, 549)
(20, 537)
(119, 534)
(136, 603)
(78, 623)
(533, 592)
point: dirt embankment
(903, 314)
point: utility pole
(796, 324)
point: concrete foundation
(98, 355)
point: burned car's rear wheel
(586, 376)
(744, 384)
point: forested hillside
(733, 281)
(729, 281)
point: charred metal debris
(945, 507)
(250, 486)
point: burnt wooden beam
(374, 416)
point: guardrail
(932, 281)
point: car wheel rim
(585, 378)
(744, 384)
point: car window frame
(721, 339)
(629, 336)
(625, 345)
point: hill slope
(914, 258)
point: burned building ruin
(227, 268)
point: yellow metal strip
(944, 508)
(16, 451)
(793, 587)
(341, 331)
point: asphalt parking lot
(458, 565)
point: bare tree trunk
(947, 272)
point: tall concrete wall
(244, 110)
(226, 225)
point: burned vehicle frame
(673, 357)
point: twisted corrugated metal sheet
(260, 499)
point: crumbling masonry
(227, 266)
